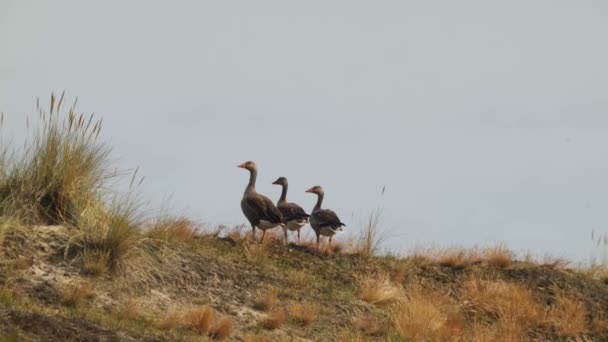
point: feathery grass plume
(61, 170)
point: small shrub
(302, 313)
(274, 319)
(78, 294)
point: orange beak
(242, 166)
(309, 190)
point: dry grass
(60, 172)
(222, 328)
(303, 313)
(370, 325)
(420, 317)
(350, 336)
(169, 320)
(267, 300)
(499, 256)
(378, 290)
(200, 319)
(274, 320)
(205, 321)
(255, 253)
(368, 243)
(512, 305)
(130, 309)
(256, 338)
(567, 315)
(173, 229)
(77, 295)
(95, 262)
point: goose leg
(329, 247)
(253, 232)
(263, 233)
(285, 232)
(318, 242)
(298, 236)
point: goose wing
(326, 217)
(261, 208)
(292, 211)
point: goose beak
(275, 182)
(242, 166)
(309, 190)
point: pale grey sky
(486, 120)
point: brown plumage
(294, 217)
(258, 209)
(323, 221)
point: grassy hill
(80, 262)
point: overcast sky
(486, 120)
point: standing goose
(259, 209)
(323, 221)
(293, 215)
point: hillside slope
(207, 286)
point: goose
(323, 221)
(258, 209)
(293, 215)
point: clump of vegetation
(60, 173)
(205, 321)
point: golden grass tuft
(267, 300)
(274, 320)
(76, 295)
(303, 313)
(173, 229)
(222, 328)
(499, 256)
(512, 305)
(205, 321)
(378, 290)
(420, 317)
(567, 315)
